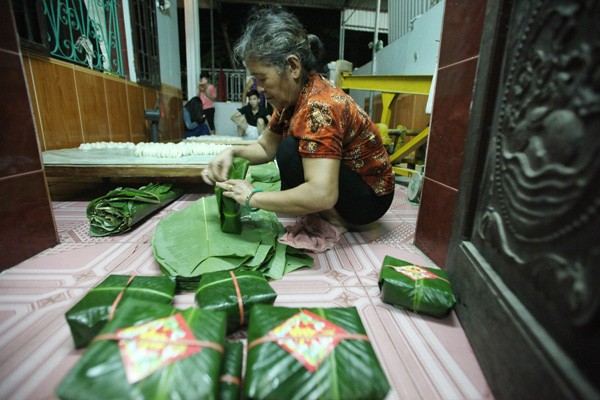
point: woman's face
(281, 90)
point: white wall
(168, 46)
(223, 112)
(415, 53)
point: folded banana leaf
(229, 209)
(231, 371)
(265, 177)
(416, 288)
(318, 353)
(120, 209)
(91, 313)
(234, 292)
(190, 242)
(151, 351)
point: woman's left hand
(236, 189)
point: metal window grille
(85, 32)
(145, 34)
(235, 80)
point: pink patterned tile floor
(423, 357)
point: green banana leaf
(91, 313)
(265, 177)
(101, 374)
(231, 371)
(416, 288)
(120, 209)
(189, 242)
(229, 209)
(217, 292)
(349, 371)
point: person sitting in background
(208, 94)
(193, 118)
(251, 119)
(331, 158)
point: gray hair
(272, 35)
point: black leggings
(209, 113)
(357, 203)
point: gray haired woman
(331, 158)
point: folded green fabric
(318, 353)
(219, 291)
(91, 313)
(151, 351)
(416, 288)
(120, 209)
(189, 243)
(229, 209)
(231, 371)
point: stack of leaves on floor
(151, 351)
(92, 312)
(323, 353)
(416, 288)
(119, 210)
(265, 177)
(231, 371)
(190, 242)
(229, 209)
(234, 293)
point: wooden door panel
(525, 253)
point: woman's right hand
(218, 168)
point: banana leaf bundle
(231, 371)
(416, 288)
(229, 209)
(235, 293)
(189, 243)
(151, 351)
(318, 353)
(265, 177)
(91, 313)
(120, 209)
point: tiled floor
(423, 357)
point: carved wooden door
(525, 252)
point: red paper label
(307, 337)
(415, 272)
(148, 347)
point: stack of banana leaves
(120, 209)
(92, 312)
(151, 351)
(190, 242)
(317, 353)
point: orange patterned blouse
(329, 124)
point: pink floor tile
(422, 357)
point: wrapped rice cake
(234, 292)
(318, 353)
(231, 371)
(88, 316)
(151, 351)
(416, 288)
(229, 209)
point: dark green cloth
(218, 292)
(100, 372)
(349, 371)
(120, 209)
(90, 314)
(416, 288)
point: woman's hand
(236, 189)
(218, 168)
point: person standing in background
(208, 94)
